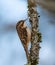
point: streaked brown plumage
(24, 34)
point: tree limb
(35, 34)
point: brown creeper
(24, 34)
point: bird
(24, 33)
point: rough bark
(35, 34)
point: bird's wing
(22, 35)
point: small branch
(35, 34)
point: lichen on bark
(35, 34)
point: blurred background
(11, 50)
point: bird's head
(21, 24)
